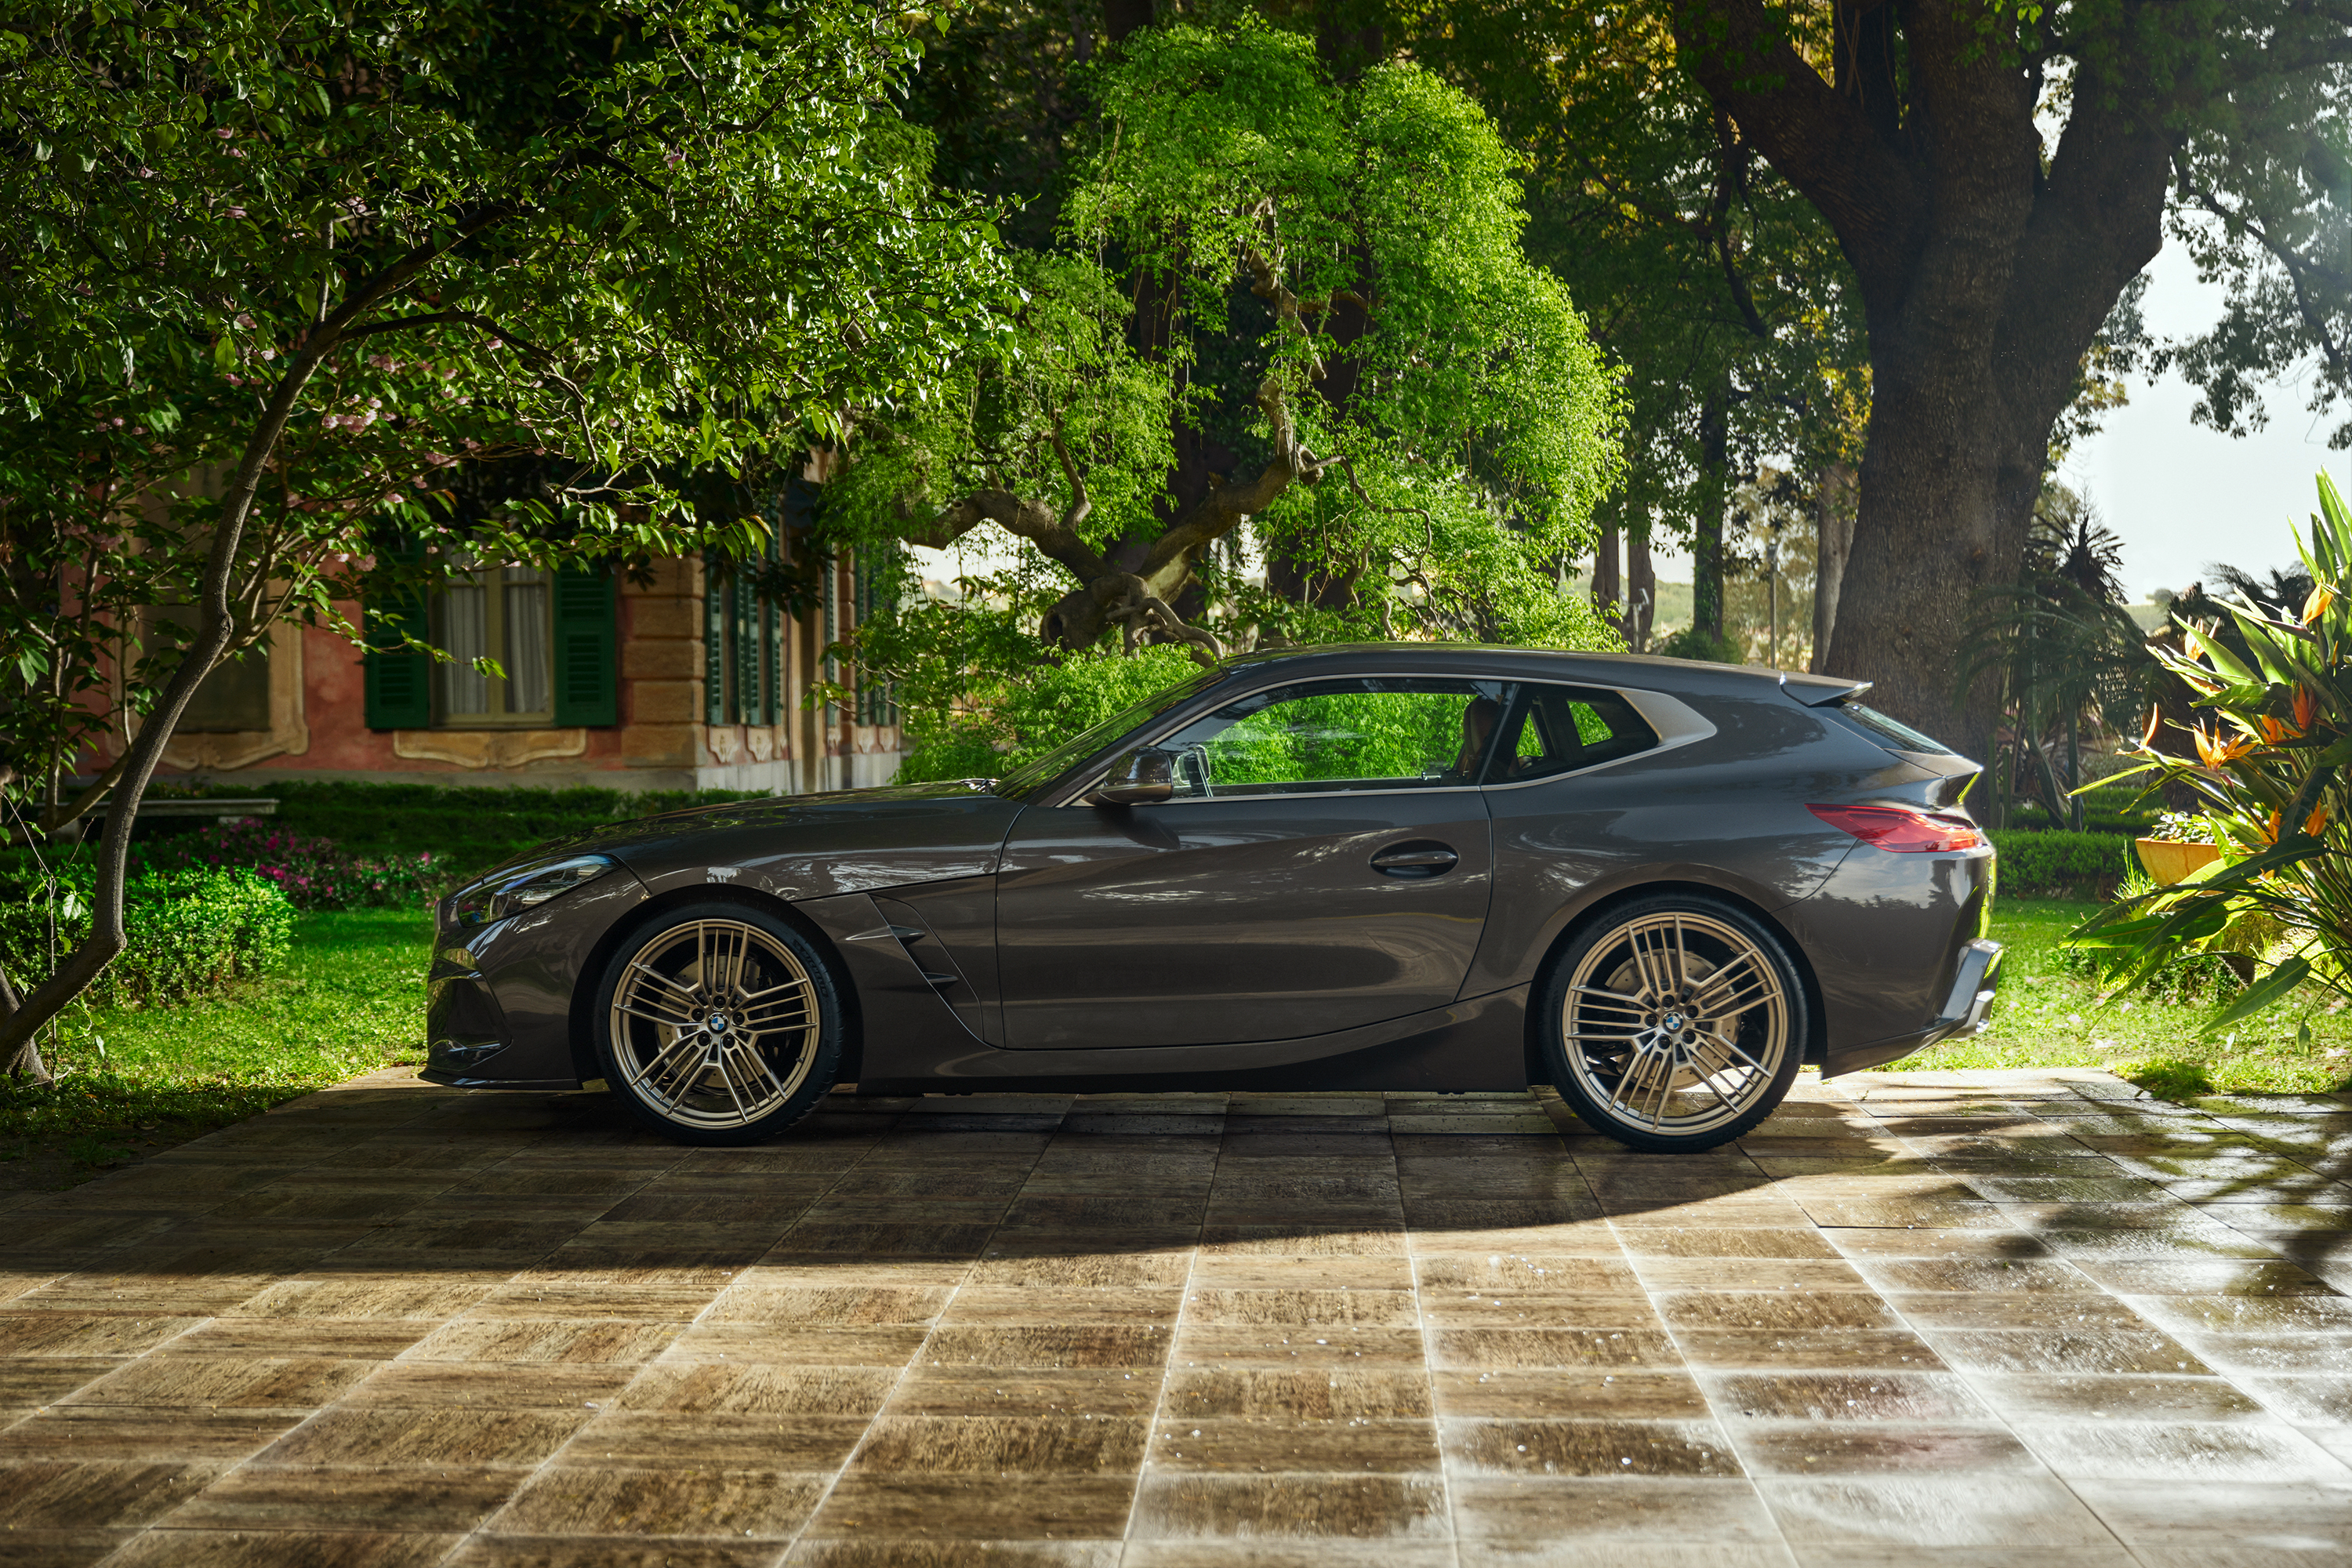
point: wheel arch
(591, 972)
(1816, 1025)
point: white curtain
(466, 634)
(529, 639)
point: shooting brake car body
(1662, 886)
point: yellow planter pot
(2167, 861)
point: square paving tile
(1961, 1320)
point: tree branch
(1821, 142)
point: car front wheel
(1675, 1022)
(718, 1024)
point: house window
(742, 645)
(235, 697)
(875, 579)
(555, 635)
(504, 615)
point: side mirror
(1145, 777)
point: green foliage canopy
(1324, 281)
(276, 272)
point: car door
(1325, 864)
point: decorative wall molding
(488, 748)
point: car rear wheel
(718, 1024)
(1675, 1022)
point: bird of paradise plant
(2270, 775)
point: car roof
(1646, 671)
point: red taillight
(1905, 830)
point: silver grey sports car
(1661, 887)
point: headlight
(494, 898)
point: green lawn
(2048, 1017)
(349, 998)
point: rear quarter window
(1555, 730)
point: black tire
(718, 1023)
(1673, 1021)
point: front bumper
(500, 999)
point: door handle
(1416, 860)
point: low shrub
(313, 873)
(2190, 980)
(1693, 643)
(192, 931)
(2057, 865)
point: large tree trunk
(1713, 501)
(1984, 275)
(1908, 591)
(1640, 591)
(1608, 591)
(1833, 499)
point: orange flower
(2155, 722)
(2270, 832)
(2276, 731)
(2322, 596)
(2215, 751)
(2317, 822)
(2306, 707)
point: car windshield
(1040, 771)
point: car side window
(1357, 734)
(1561, 729)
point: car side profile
(1661, 887)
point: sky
(2180, 495)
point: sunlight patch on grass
(348, 999)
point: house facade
(688, 680)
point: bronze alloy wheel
(1677, 1024)
(718, 1025)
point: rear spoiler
(1821, 690)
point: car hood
(814, 846)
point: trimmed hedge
(2056, 864)
(2106, 809)
(473, 826)
(192, 932)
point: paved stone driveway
(1983, 1319)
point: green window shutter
(397, 687)
(714, 642)
(772, 664)
(587, 648)
(744, 623)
